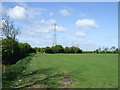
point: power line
(54, 35)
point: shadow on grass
(14, 71)
(45, 78)
(14, 76)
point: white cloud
(40, 29)
(25, 13)
(17, 13)
(1, 23)
(60, 29)
(51, 14)
(49, 22)
(81, 34)
(47, 26)
(65, 12)
(42, 21)
(87, 24)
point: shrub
(12, 50)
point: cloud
(60, 29)
(17, 13)
(48, 22)
(24, 13)
(40, 29)
(51, 14)
(46, 29)
(87, 24)
(81, 34)
(51, 21)
(65, 12)
(1, 23)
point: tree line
(73, 49)
(113, 49)
(58, 49)
(12, 50)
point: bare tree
(8, 28)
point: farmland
(64, 71)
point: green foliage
(9, 51)
(58, 49)
(12, 50)
(67, 50)
(75, 50)
(42, 50)
(37, 49)
(49, 50)
(106, 50)
(14, 71)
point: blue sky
(88, 25)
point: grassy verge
(14, 71)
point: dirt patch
(67, 82)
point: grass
(68, 70)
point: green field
(64, 70)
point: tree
(117, 51)
(13, 51)
(96, 51)
(106, 50)
(8, 28)
(67, 50)
(99, 50)
(48, 50)
(42, 50)
(75, 50)
(58, 49)
(10, 51)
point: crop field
(63, 71)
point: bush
(9, 51)
(12, 51)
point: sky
(88, 25)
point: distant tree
(117, 51)
(99, 50)
(37, 49)
(58, 49)
(42, 50)
(75, 50)
(106, 50)
(96, 51)
(67, 50)
(48, 50)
